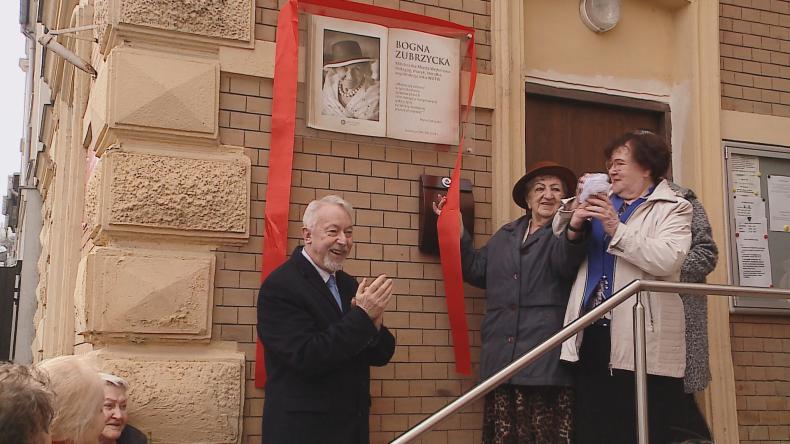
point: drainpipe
(30, 51)
(24, 6)
(30, 221)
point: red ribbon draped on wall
(278, 192)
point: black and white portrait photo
(351, 87)
(347, 86)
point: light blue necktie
(332, 284)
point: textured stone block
(147, 91)
(225, 19)
(211, 21)
(188, 394)
(92, 189)
(145, 294)
(202, 196)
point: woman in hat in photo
(527, 273)
(349, 87)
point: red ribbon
(449, 245)
(278, 192)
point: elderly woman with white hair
(78, 392)
(116, 430)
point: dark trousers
(606, 399)
(690, 423)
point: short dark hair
(648, 149)
(25, 403)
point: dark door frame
(665, 129)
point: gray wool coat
(700, 261)
(527, 290)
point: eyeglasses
(616, 164)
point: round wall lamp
(600, 15)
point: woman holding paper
(640, 230)
(527, 274)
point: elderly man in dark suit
(322, 331)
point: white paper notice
(745, 164)
(754, 260)
(749, 207)
(745, 175)
(779, 202)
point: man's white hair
(116, 381)
(311, 213)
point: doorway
(573, 127)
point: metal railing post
(640, 376)
(514, 367)
(640, 350)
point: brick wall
(380, 177)
(755, 56)
(755, 78)
(761, 356)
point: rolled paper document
(594, 184)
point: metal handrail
(579, 324)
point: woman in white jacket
(641, 230)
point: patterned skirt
(517, 414)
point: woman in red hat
(527, 273)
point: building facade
(140, 225)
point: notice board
(758, 192)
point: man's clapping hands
(373, 298)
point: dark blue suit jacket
(317, 358)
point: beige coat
(652, 244)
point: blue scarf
(599, 262)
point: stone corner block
(203, 197)
(257, 61)
(181, 394)
(149, 92)
(145, 295)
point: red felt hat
(543, 168)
